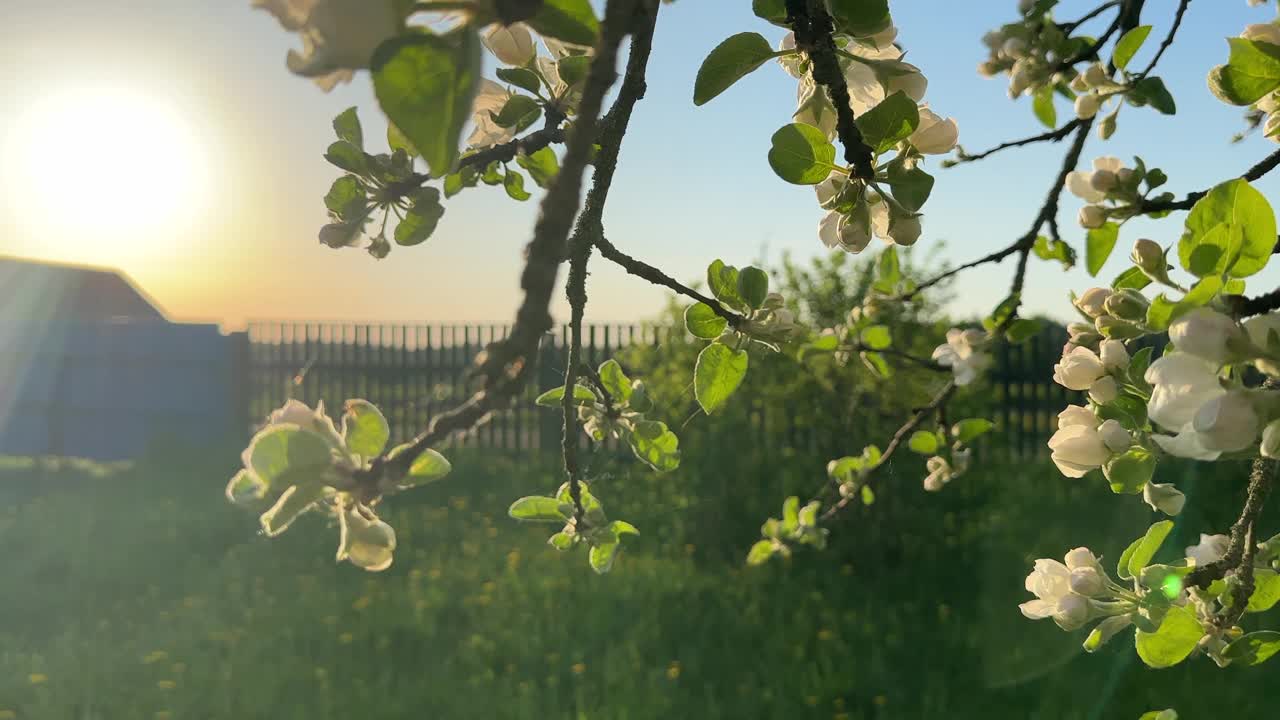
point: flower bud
(1014, 47)
(1227, 422)
(1103, 390)
(1096, 75)
(1164, 497)
(1114, 327)
(1106, 630)
(1092, 301)
(1127, 304)
(1271, 440)
(988, 68)
(1262, 32)
(1073, 613)
(512, 44)
(1126, 175)
(1206, 334)
(1113, 434)
(1092, 216)
(1113, 354)
(1078, 370)
(1079, 84)
(366, 543)
(1087, 106)
(1148, 255)
(1087, 581)
(1082, 557)
(1264, 334)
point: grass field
(137, 592)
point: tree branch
(648, 272)
(1168, 39)
(1067, 28)
(504, 365)
(813, 29)
(1052, 136)
(1267, 164)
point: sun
(105, 163)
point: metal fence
(413, 372)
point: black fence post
(241, 387)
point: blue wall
(107, 391)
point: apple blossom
(1206, 333)
(1077, 447)
(1164, 497)
(365, 542)
(1113, 354)
(1181, 384)
(1050, 582)
(338, 36)
(1114, 436)
(1210, 549)
(1092, 302)
(512, 44)
(1271, 440)
(1092, 216)
(934, 135)
(1087, 582)
(1087, 106)
(962, 354)
(1227, 422)
(1260, 330)
(490, 99)
(1078, 369)
(1081, 184)
(1148, 255)
(1103, 390)
(1262, 32)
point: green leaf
(1130, 472)
(1237, 222)
(1022, 330)
(519, 112)
(347, 126)
(581, 396)
(718, 373)
(884, 125)
(1169, 714)
(1252, 71)
(246, 489)
(791, 514)
(537, 508)
(603, 555)
(1139, 554)
(760, 552)
(1047, 249)
(1173, 641)
(911, 187)
(876, 337)
(753, 286)
(561, 541)
(966, 431)
(1128, 45)
(396, 140)
(888, 270)
(513, 183)
(523, 78)
(615, 381)
(868, 496)
(1266, 590)
(364, 429)
(1132, 278)
(774, 11)
(295, 501)
(860, 18)
(923, 442)
(425, 84)
(1254, 648)
(573, 69)
(654, 445)
(723, 281)
(346, 198)
(703, 322)
(428, 467)
(348, 157)
(572, 21)
(1098, 246)
(801, 154)
(421, 219)
(543, 166)
(729, 62)
(1164, 311)
(1151, 91)
(1042, 106)
(280, 453)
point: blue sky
(693, 183)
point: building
(43, 291)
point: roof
(48, 291)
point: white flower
(1082, 557)
(1262, 32)
(295, 412)
(1087, 105)
(1103, 390)
(1092, 217)
(1077, 447)
(1211, 549)
(939, 473)
(1078, 369)
(1096, 75)
(791, 63)
(1114, 436)
(934, 135)
(904, 229)
(1104, 181)
(1187, 444)
(1077, 415)
(1259, 330)
(1227, 422)
(364, 542)
(847, 232)
(1205, 333)
(1164, 497)
(489, 101)
(1181, 384)
(1087, 582)
(829, 190)
(1271, 440)
(1080, 183)
(1092, 302)
(1148, 255)
(960, 353)
(814, 108)
(865, 89)
(512, 44)
(1113, 355)
(338, 36)
(1050, 582)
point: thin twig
(1051, 136)
(1267, 164)
(891, 352)
(1168, 39)
(1070, 26)
(648, 272)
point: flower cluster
(1094, 87)
(1029, 50)
(1112, 190)
(555, 79)
(965, 353)
(300, 462)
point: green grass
(136, 592)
